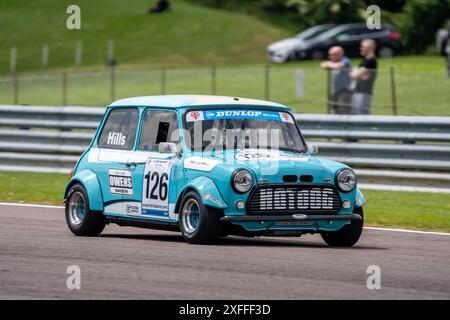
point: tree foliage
(418, 20)
(423, 19)
(326, 11)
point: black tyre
(348, 235)
(199, 224)
(80, 219)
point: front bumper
(277, 57)
(295, 217)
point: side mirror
(167, 147)
(313, 148)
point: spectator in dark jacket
(364, 78)
(447, 51)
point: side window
(158, 126)
(119, 130)
(350, 34)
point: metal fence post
(15, 88)
(328, 92)
(112, 82)
(213, 80)
(267, 82)
(44, 56)
(163, 81)
(393, 91)
(13, 69)
(78, 54)
(64, 88)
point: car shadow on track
(239, 241)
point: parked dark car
(284, 50)
(349, 37)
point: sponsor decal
(120, 182)
(127, 208)
(208, 196)
(116, 138)
(286, 117)
(132, 209)
(241, 114)
(268, 155)
(192, 116)
(199, 163)
(293, 223)
(238, 114)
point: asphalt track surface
(130, 263)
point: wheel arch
(89, 180)
(360, 200)
(207, 190)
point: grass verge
(187, 35)
(419, 211)
(421, 85)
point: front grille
(283, 199)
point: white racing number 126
(159, 189)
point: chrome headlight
(346, 180)
(242, 181)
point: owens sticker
(120, 182)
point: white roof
(175, 101)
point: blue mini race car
(210, 166)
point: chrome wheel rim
(77, 208)
(191, 216)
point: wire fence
(396, 91)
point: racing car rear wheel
(198, 223)
(80, 219)
(348, 235)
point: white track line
(386, 187)
(30, 205)
(368, 228)
(409, 231)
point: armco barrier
(404, 148)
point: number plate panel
(155, 188)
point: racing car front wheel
(348, 235)
(80, 219)
(199, 224)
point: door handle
(133, 164)
(130, 164)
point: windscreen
(225, 129)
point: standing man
(340, 66)
(447, 51)
(364, 78)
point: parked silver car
(284, 50)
